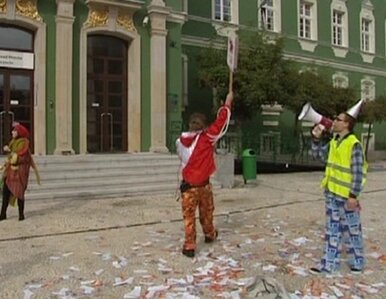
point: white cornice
(337, 65)
(190, 40)
(132, 4)
(160, 10)
(177, 17)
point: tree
(260, 78)
(265, 77)
(373, 111)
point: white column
(63, 103)
(158, 13)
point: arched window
(15, 38)
(340, 80)
(368, 89)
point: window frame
(305, 20)
(337, 28)
(270, 143)
(366, 14)
(27, 32)
(219, 24)
(222, 12)
(368, 84)
(308, 43)
(340, 7)
(366, 35)
(340, 80)
(275, 15)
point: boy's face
(196, 124)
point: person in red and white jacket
(196, 152)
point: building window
(368, 89)
(366, 35)
(340, 81)
(269, 15)
(308, 24)
(305, 20)
(367, 31)
(337, 28)
(270, 143)
(222, 10)
(15, 38)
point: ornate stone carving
(97, 17)
(3, 5)
(125, 20)
(28, 8)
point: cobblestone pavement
(131, 247)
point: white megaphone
(309, 114)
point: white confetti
(134, 294)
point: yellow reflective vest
(338, 176)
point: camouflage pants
(201, 197)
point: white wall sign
(19, 60)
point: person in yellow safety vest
(345, 176)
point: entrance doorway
(16, 103)
(16, 82)
(106, 94)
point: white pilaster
(158, 14)
(63, 103)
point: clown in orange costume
(196, 152)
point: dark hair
(351, 121)
(200, 117)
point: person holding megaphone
(344, 178)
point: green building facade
(102, 76)
(91, 76)
(344, 39)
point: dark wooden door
(106, 94)
(16, 103)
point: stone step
(95, 192)
(87, 174)
(104, 176)
(106, 182)
(53, 159)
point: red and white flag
(233, 50)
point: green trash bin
(249, 164)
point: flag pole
(230, 81)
